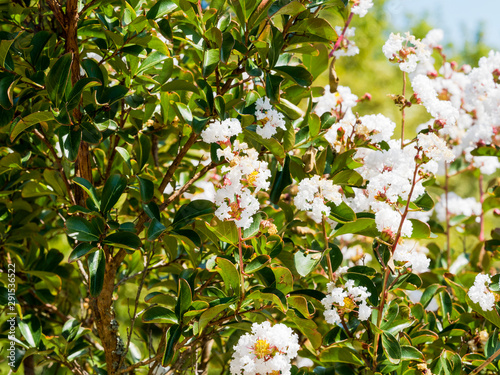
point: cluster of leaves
(117, 270)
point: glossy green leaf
(257, 263)
(161, 8)
(89, 189)
(296, 73)
(159, 314)
(155, 229)
(429, 293)
(210, 61)
(147, 189)
(230, 275)
(153, 59)
(97, 267)
(81, 230)
(305, 262)
(391, 347)
(421, 230)
(76, 93)
(281, 180)
(184, 298)
(124, 240)
(273, 84)
(210, 315)
(112, 191)
(173, 335)
(342, 213)
(143, 150)
(340, 354)
(80, 251)
(362, 226)
(192, 210)
(58, 78)
(31, 329)
(28, 121)
(70, 140)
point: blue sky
(458, 18)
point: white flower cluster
(219, 131)
(245, 173)
(435, 150)
(268, 350)
(341, 300)
(371, 128)
(457, 206)
(313, 192)
(406, 50)
(361, 7)
(464, 101)
(480, 293)
(270, 117)
(347, 45)
(412, 255)
(339, 102)
(390, 178)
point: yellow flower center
(252, 177)
(262, 349)
(349, 304)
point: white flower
(342, 100)
(244, 174)
(221, 131)
(361, 7)
(345, 298)
(457, 206)
(479, 292)
(413, 256)
(347, 46)
(377, 128)
(435, 148)
(313, 192)
(407, 51)
(270, 118)
(267, 350)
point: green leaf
(210, 315)
(425, 202)
(112, 191)
(151, 61)
(112, 94)
(429, 293)
(89, 189)
(490, 150)
(184, 298)
(69, 140)
(81, 230)
(296, 73)
(230, 275)
(305, 263)
(362, 226)
(143, 150)
(341, 213)
(184, 112)
(6, 86)
(173, 335)
(80, 250)
(70, 329)
(31, 329)
(97, 267)
(38, 42)
(340, 354)
(409, 353)
(347, 177)
(155, 229)
(76, 93)
(290, 8)
(226, 47)
(226, 231)
(123, 240)
(90, 133)
(258, 263)
(4, 50)
(491, 315)
(336, 256)
(273, 84)
(147, 188)
(159, 314)
(299, 303)
(28, 121)
(58, 78)
(161, 8)
(210, 61)
(421, 230)
(281, 181)
(192, 210)
(391, 347)
(271, 144)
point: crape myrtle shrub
(179, 194)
